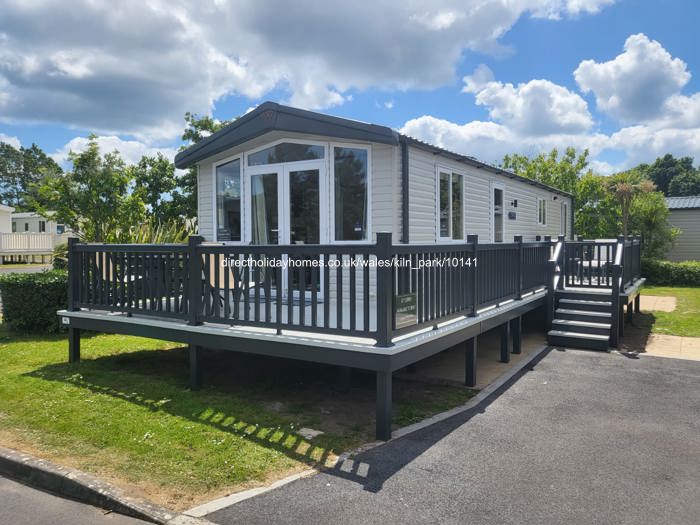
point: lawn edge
(80, 486)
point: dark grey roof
(270, 116)
(683, 203)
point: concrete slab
(657, 303)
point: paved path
(22, 505)
(584, 438)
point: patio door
(286, 206)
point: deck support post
(636, 303)
(630, 311)
(516, 327)
(195, 367)
(383, 428)
(505, 342)
(621, 323)
(73, 345)
(470, 362)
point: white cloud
(12, 141)
(538, 107)
(138, 68)
(636, 85)
(553, 9)
(489, 141)
(644, 143)
(130, 150)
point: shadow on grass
(240, 396)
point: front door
(286, 207)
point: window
(228, 201)
(541, 211)
(498, 215)
(26, 226)
(451, 205)
(285, 152)
(350, 193)
(60, 229)
(564, 217)
(14, 227)
(42, 226)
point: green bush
(667, 273)
(30, 300)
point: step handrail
(555, 281)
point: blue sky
(483, 77)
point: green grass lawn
(685, 320)
(126, 413)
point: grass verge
(685, 319)
(125, 413)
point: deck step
(577, 340)
(583, 315)
(584, 295)
(584, 327)
(581, 304)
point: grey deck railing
(375, 290)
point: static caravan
(684, 214)
(288, 176)
(340, 242)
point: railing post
(519, 241)
(194, 276)
(615, 321)
(73, 274)
(474, 240)
(385, 299)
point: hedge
(667, 273)
(30, 300)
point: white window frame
(274, 143)
(544, 201)
(497, 185)
(441, 168)
(214, 184)
(330, 155)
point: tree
(687, 183)
(184, 197)
(597, 214)
(625, 187)
(20, 170)
(649, 218)
(95, 197)
(665, 169)
(562, 173)
(154, 181)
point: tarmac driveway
(583, 438)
